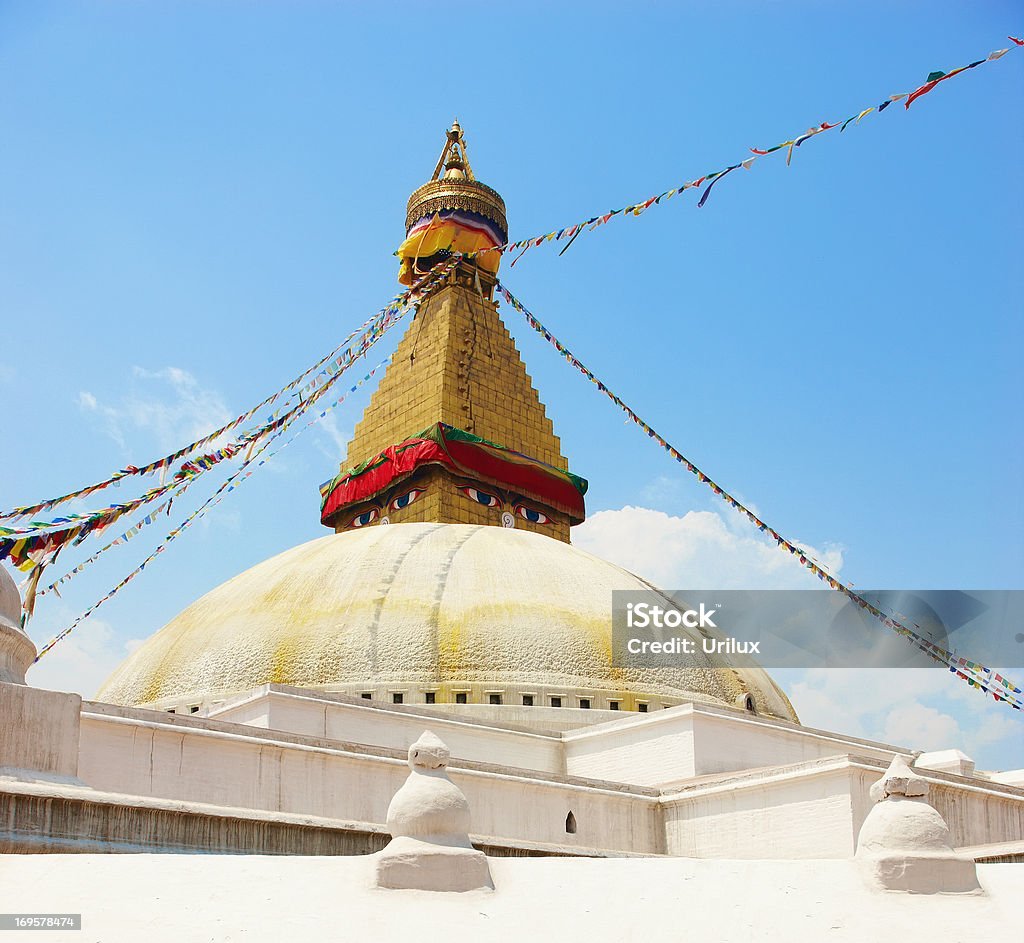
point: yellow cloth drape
(440, 234)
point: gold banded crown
(453, 187)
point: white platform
(160, 898)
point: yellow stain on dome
(413, 603)
(285, 661)
(449, 649)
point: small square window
(613, 705)
(585, 703)
(460, 697)
(556, 702)
(397, 697)
(527, 700)
(642, 708)
(171, 710)
(430, 697)
(493, 698)
(194, 709)
(366, 695)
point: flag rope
(974, 673)
(229, 485)
(161, 465)
(570, 233)
(39, 544)
(389, 319)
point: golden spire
(453, 155)
(455, 432)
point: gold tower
(457, 372)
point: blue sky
(199, 200)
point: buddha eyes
(404, 500)
(489, 500)
(367, 517)
(481, 497)
(395, 504)
(529, 514)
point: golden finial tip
(453, 186)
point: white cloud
(220, 521)
(109, 417)
(998, 728)
(924, 727)
(858, 700)
(663, 491)
(82, 661)
(190, 412)
(914, 708)
(698, 550)
(331, 440)
(169, 404)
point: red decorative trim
(457, 452)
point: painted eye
(534, 517)
(481, 497)
(367, 517)
(404, 500)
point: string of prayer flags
(388, 318)
(39, 543)
(570, 233)
(45, 550)
(176, 532)
(717, 177)
(131, 532)
(327, 366)
(37, 547)
(160, 465)
(979, 676)
(229, 485)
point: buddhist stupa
(449, 577)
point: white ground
(157, 898)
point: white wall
(797, 816)
(801, 803)
(352, 721)
(725, 743)
(647, 750)
(816, 810)
(38, 731)
(696, 740)
(149, 754)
